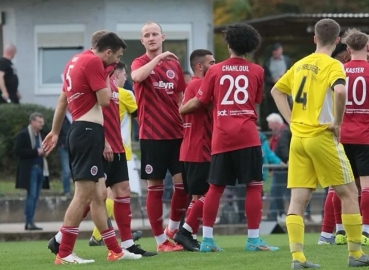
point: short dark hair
(121, 66)
(110, 41)
(327, 31)
(242, 38)
(355, 39)
(96, 36)
(339, 48)
(197, 56)
(35, 115)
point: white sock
(326, 235)
(58, 237)
(253, 233)
(187, 227)
(194, 236)
(366, 228)
(339, 227)
(207, 232)
(173, 225)
(160, 239)
(127, 244)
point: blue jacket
(269, 157)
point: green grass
(35, 256)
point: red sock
(123, 216)
(359, 197)
(254, 205)
(154, 208)
(179, 202)
(337, 209)
(328, 224)
(211, 205)
(364, 202)
(189, 209)
(110, 240)
(69, 237)
(194, 219)
(87, 210)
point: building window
(54, 46)
(178, 39)
(53, 61)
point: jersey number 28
(239, 84)
(301, 96)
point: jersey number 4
(239, 84)
(301, 96)
(68, 78)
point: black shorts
(117, 170)
(85, 143)
(242, 166)
(195, 177)
(358, 155)
(158, 156)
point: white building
(47, 32)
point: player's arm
(280, 92)
(59, 114)
(339, 101)
(181, 86)
(98, 81)
(192, 105)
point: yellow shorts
(319, 159)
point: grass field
(35, 256)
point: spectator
(276, 125)
(274, 68)
(187, 76)
(32, 171)
(8, 77)
(63, 154)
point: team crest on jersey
(94, 170)
(170, 74)
(148, 169)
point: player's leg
(154, 169)
(328, 153)
(117, 180)
(301, 180)
(180, 198)
(328, 223)
(195, 182)
(221, 174)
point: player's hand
(5, 96)
(336, 129)
(49, 142)
(168, 55)
(108, 152)
(40, 152)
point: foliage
(14, 118)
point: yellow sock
(295, 229)
(352, 224)
(109, 209)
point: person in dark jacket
(32, 171)
(63, 154)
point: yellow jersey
(127, 105)
(310, 82)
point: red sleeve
(206, 90)
(259, 93)
(181, 82)
(95, 74)
(136, 64)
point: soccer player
(234, 86)
(332, 204)
(195, 151)
(159, 85)
(317, 85)
(86, 87)
(355, 125)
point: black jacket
(268, 76)
(282, 149)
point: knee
(121, 189)
(347, 192)
(177, 178)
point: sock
(110, 240)
(211, 205)
(160, 239)
(68, 241)
(295, 229)
(364, 202)
(154, 209)
(109, 203)
(87, 210)
(254, 208)
(339, 227)
(194, 236)
(326, 235)
(58, 237)
(328, 218)
(194, 219)
(352, 225)
(123, 217)
(189, 208)
(337, 209)
(207, 232)
(177, 206)
(359, 198)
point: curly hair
(242, 38)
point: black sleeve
(339, 81)
(134, 114)
(22, 149)
(4, 65)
